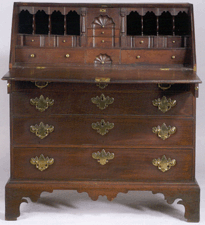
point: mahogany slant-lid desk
(103, 100)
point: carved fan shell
(103, 59)
(103, 21)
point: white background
(69, 207)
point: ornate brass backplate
(102, 102)
(41, 103)
(42, 163)
(164, 104)
(102, 127)
(164, 164)
(102, 156)
(41, 130)
(164, 132)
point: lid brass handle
(67, 55)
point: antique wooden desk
(103, 100)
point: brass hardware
(102, 32)
(196, 88)
(102, 127)
(138, 57)
(165, 69)
(173, 42)
(103, 62)
(32, 40)
(32, 55)
(103, 41)
(164, 164)
(141, 42)
(64, 41)
(103, 26)
(40, 67)
(164, 104)
(42, 163)
(164, 132)
(194, 69)
(102, 10)
(67, 55)
(41, 130)
(41, 84)
(8, 85)
(164, 87)
(102, 102)
(102, 79)
(102, 156)
(41, 103)
(173, 57)
(102, 85)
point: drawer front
(49, 56)
(153, 56)
(68, 41)
(141, 42)
(174, 42)
(93, 131)
(33, 41)
(103, 32)
(103, 42)
(86, 101)
(78, 164)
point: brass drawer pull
(102, 102)
(41, 130)
(173, 42)
(102, 127)
(42, 163)
(103, 157)
(32, 55)
(138, 57)
(164, 104)
(67, 55)
(41, 84)
(64, 41)
(41, 103)
(173, 57)
(103, 41)
(164, 164)
(141, 42)
(164, 132)
(161, 86)
(102, 32)
(32, 40)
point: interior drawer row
(79, 164)
(102, 131)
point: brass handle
(41, 130)
(102, 127)
(64, 41)
(102, 32)
(32, 40)
(173, 42)
(103, 41)
(164, 164)
(41, 103)
(67, 55)
(164, 87)
(102, 102)
(173, 57)
(42, 163)
(138, 57)
(102, 156)
(164, 132)
(164, 104)
(41, 84)
(32, 55)
(141, 42)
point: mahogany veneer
(103, 100)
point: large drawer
(39, 55)
(78, 164)
(127, 131)
(154, 56)
(92, 101)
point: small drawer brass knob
(102, 32)
(32, 55)
(173, 57)
(67, 55)
(32, 40)
(173, 42)
(141, 42)
(103, 41)
(64, 41)
(138, 57)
